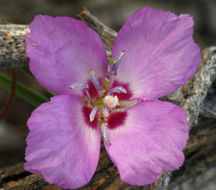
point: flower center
(110, 101)
(105, 105)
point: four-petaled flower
(153, 55)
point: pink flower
(155, 55)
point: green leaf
(29, 95)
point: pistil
(110, 101)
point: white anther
(110, 101)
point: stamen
(115, 66)
(120, 56)
(104, 133)
(79, 85)
(118, 89)
(93, 113)
(95, 81)
(84, 86)
(106, 111)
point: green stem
(29, 95)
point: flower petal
(159, 52)
(60, 145)
(62, 51)
(151, 140)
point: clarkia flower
(153, 55)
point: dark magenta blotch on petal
(86, 112)
(122, 96)
(116, 119)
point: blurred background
(113, 13)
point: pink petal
(60, 145)
(160, 54)
(151, 140)
(62, 51)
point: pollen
(110, 101)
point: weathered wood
(199, 169)
(197, 88)
(208, 108)
(107, 34)
(12, 44)
(200, 97)
(106, 176)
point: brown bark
(107, 34)
(12, 45)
